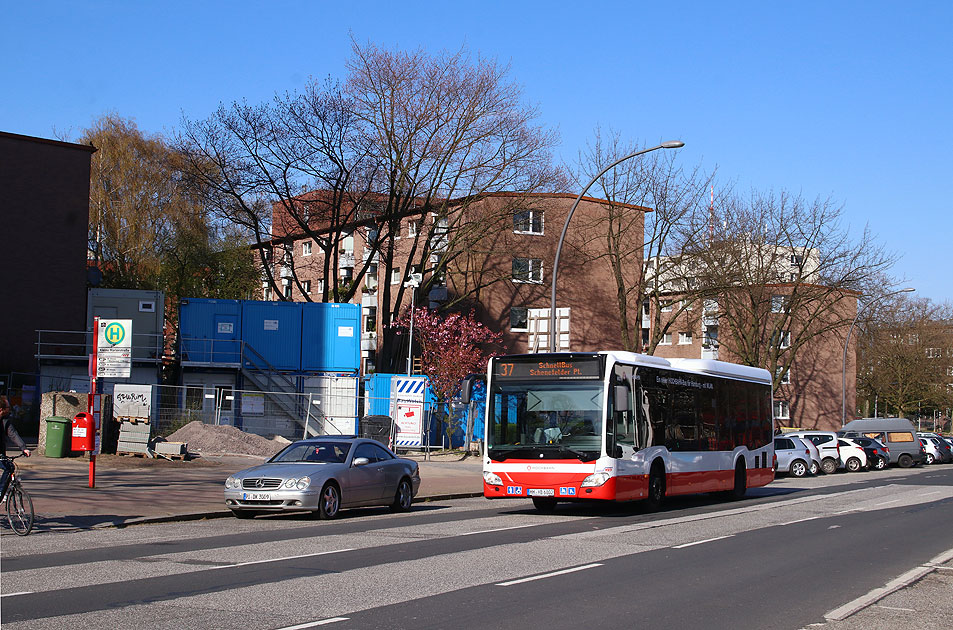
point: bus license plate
(255, 496)
(540, 492)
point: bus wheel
(656, 489)
(741, 482)
(544, 505)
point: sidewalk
(133, 490)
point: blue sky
(851, 100)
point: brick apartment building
(505, 276)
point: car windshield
(315, 452)
(551, 420)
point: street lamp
(674, 144)
(413, 284)
(843, 382)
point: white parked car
(931, 449)
(827, 444)
(852, 455)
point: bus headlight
(492, 479)
(594, 480)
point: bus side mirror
(466, 388)
(621, 396)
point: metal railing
(78, 345)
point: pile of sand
(220, 439)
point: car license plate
(255, 496)
(540, 492)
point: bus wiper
(580, 455)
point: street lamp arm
(559, 246)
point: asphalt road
(782, 558)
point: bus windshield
(545, 420)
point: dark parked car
(323, 475)
(878, 455)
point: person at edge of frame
(8, 436)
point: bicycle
(19, 504)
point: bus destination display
(548, 369)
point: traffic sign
(114, 348)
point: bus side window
(624, 422)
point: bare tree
(650, 219)
(905, 357)
(786, 273)
(444, 130)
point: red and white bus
(621, 426)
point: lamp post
(413, 283)
(674, 144)
(843, 396)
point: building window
(266, 293)
(710, 306)
(519, 318)
(645, 307)
(528, 222)
(306, 248)
(934, 353)
(321, 286)
(370, 278)
(666, 307)
(645, 337)
(395, 275)
(224, 396)
(782, 338)
(370, 319)
(782, 411)
(785, 376)
(796, 260)
(684, 338)
(528, 270)
(685, 305)
(287, 289)
(779, 304)
(710, 339)
(666, 339)
(413, 228)
(306, 287)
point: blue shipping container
(330, 337)
(210, 331)
(273, 331)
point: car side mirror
(360, 461)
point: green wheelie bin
(57, 436)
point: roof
(58, 143)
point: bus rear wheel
(544, 505)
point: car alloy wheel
(330, 503)
(404, 497)
(930, 458)
(881, 463)
(798, 468)
(829, 466)
(815, 468)
(853, 464)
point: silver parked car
(793, 455)
(323, 475)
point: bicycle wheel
(19, 509)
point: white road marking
(305, 555)
(886, 502)
(896, 584)
(15, 594)
(834, 527)
(549, 575)
(802, 520)
(314, 624)
(926, 494)
(498, 529)
(701, 542)
(896, 608)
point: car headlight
(232, 482)
(290, 483)
(303, 483)
(594, 480)
(492, 479)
